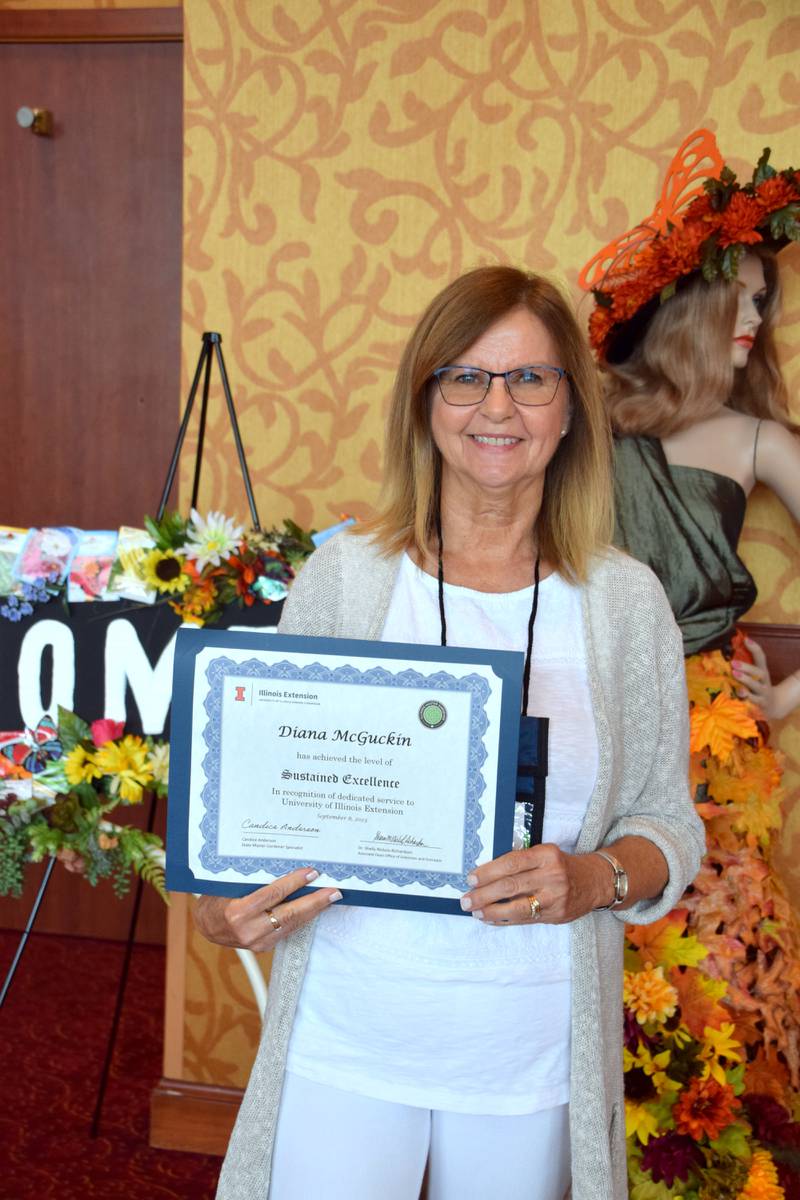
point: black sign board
(99, 660)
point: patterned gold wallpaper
(343, 161)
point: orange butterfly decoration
(696, 160)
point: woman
(684, 330)
(490, 1047)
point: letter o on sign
(32, 704)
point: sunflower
(164, 571)
(126, 762)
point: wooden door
(89, 305)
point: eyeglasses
(529, 386)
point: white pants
(342, 1146)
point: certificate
(390, 768)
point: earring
(564, 432)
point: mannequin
(699, 411)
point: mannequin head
(693, 357)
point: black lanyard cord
(526, 676)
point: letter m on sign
(239, 693)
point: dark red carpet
(53, 1031)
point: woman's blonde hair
(575, 516)
(681, 371)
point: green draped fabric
(684, 522)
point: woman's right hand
(259, 921)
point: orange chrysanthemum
(762, 1182)
(705, 1108)
(776, 193)
(739, 221)
(648, 995)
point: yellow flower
(762, 1182)
(648, 995)
(653, 1065)
(126, 763)
(717, 1044)
(80, 766)
(639, 1122)
(164, 571)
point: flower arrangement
(60, 789)
(197, 565)
(201, 565)
(711, 1062)
(711, 234)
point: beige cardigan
(638, 690)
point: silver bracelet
(620, 881)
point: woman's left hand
(567, 886)
(756, 684)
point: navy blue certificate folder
(391, 768)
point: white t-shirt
(442, 1011)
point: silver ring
(536, 907)
(275, 923)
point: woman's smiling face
(497, 444)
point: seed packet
(91, 565)
(11, 542)
(46, 554)
(126, 582)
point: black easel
(211, 342)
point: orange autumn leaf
(719, 725)
(664, 943)
(698, 1004)
(767, 1075)
(706, 675)
(739, 648)
(760, 776)
(758, 816)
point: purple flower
(771, 1122)
(10, 612)
(633, 1033)
(671, 1157)
(35, 592)
(26, 609)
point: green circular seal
(432, 714)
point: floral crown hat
(704, 221)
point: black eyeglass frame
(560, 371)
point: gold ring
(276, 925)
(536, 907)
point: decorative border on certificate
(221, 669)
